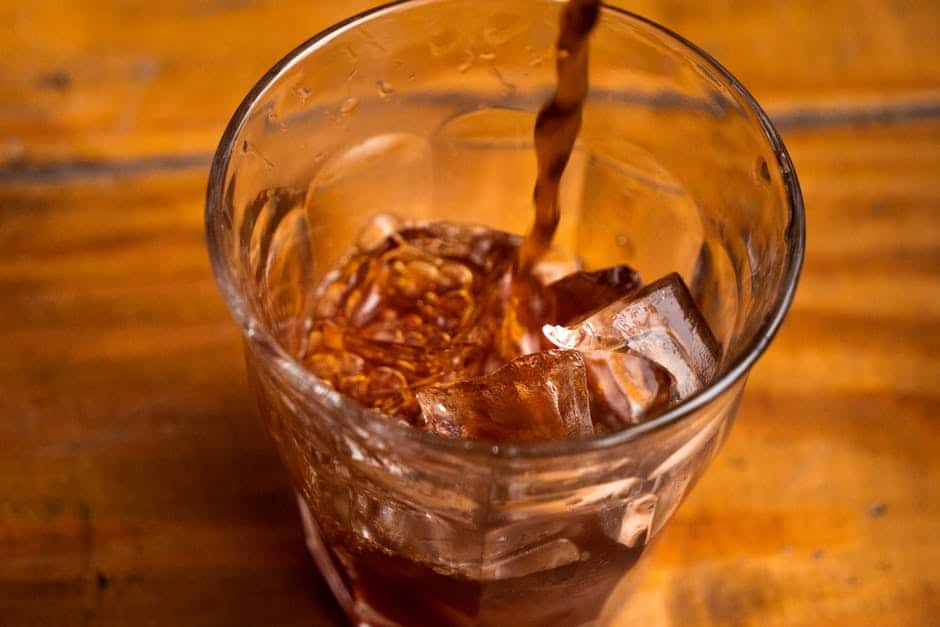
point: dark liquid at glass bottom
(384, 589)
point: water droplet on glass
(468, 61)
(303, 93)
(763, 170)
(507, 87)
(501, 27)
(385, 90)
(624, 242)
(442, 42)
(349, 105)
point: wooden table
(136, 484)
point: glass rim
(256, 334)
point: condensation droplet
(763, 170)
(507, 87)
(624, 242)
(442, 42)
(303, 93)
(501, 27)
(385, 90)
(349, 105)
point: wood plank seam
(787, 118)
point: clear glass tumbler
(425, 109)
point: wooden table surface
(136, 484)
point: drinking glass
(425, 109)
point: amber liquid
(557, 127)
(449, 321)
(409, 593)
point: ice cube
(631, 524)
(660, 322)
(624, 387)
(542, 396)
(582, 292)
(533, 559)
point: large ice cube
(660, 322)
(533, 559)
(625, 386)
(542, 396)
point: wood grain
(136, 484)
(107, 79)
